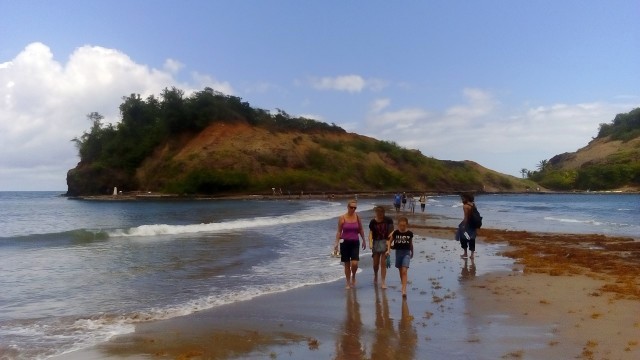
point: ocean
(76, 273)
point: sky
(503, 83)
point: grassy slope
(322, 161)
(599, 154)
(599, 151)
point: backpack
(476, 220)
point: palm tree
(542, 165)
(524, 172)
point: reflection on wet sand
(385, 333)
(348, 344)
(407, 335)
(468, 270)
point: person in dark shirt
(402, 240)
(380, 228)
(466, 233)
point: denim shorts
(403, 258)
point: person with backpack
(467, 229)
(347, 239)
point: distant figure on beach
(404, 200)
(380, 227)
(349, 228)
(402, 240)
(466, 234)
(423, 201)
(397, 199)
(412, 204)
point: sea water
(75, 273)
(581, 213)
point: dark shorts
(349, 250)
(464, 243)
(471, 243)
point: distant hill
(213, 144)
(611, 161)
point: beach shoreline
(320, 195)
(517, 300)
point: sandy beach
(524, 296)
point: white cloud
(397, 120)
(201, 81)
(380, 104)
(312, 117)
(481, 129)
(348, 83)
(173, 66)
(45, 103)
(479, 103)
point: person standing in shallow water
(403, 244)
(380, 227)
(466, 234)
(349, 228)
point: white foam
(316, 214)
(592, 222)
(68, 336)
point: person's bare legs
(376, 265)
(354, 269)
(403, 280)
(347, 274)
(472, 254)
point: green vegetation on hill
(115, 152)
(147, 123)
(211, 143)
(623, 127)
(616, 169)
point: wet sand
(555, 297)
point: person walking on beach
(349, 227)
(412, 204)
(396, 201)
(402, 240)
(404, 200)
(423, 201)
(466, 233)
(380, 227)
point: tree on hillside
(543, 165)
(89, 145)
(623, 127)
(524, 172)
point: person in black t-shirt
(402, 239)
